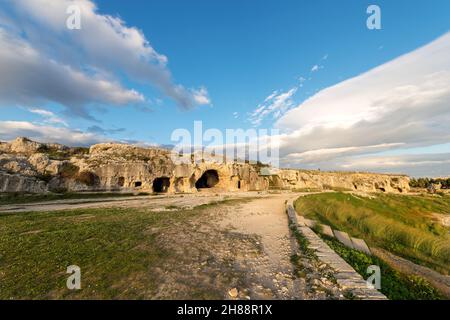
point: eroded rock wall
(20, 183)
(29, 166)
(350, 181)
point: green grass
(394, 285)
(401, 224)
(20, 198)
(115, 249)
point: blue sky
(228, 57)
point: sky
(342, 96)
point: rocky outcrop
(24, 146)
(30, 166)
(20, 183)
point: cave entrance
(161, 185)
(208, 180)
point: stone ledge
(345, 275)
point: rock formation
(33, 167)
(345, 181)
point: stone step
(360, 245)
(344, 238)
(344, 273)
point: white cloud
(276, 104)
(332, 153)
(418, 165)
(201, 96)
(402, 104)
(28, 77)
(235, 115)
(104, 47)
(316, 68)
(49, 117)
(9, 130)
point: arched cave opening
(161, 185)
(208, 180)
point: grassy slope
(401, 224)
(394, 285)
(115, 249)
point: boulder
(25, 146)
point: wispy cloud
(316, 67)
(275, 105)
(49, 117)
(102, 131)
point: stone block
(310, 223)
(326, 230)
(344, 238)
(360, 245)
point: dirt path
(270, 274)
(151, 202)
(244, 246)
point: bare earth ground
(160, 202)
(245, 246)
(242, 244)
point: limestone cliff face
(20, 183)
(28, 166)
(130, 167)
(351, 181)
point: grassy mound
(404, 225)
(394, 285)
